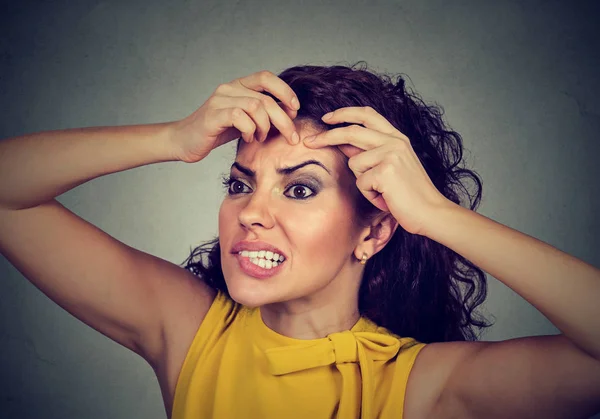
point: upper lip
(255, 245)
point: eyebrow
(282, 171)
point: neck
(315, 324)
(312, 317)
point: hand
(388, 172)
(235, 108)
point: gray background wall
(518, 79)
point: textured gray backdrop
(518, 79)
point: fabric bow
(341, 349)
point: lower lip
(256, 271)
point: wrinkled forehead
(276, 153)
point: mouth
(258, 259)
(260, 267)
(263, 258)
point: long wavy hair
(414, 286)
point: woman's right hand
(236, 109)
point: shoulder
(209, 326)
(187, 311)
(489, 379)
(214, 317)
(433, 366)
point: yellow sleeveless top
(236, 367)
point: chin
(247, 294)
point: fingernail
(295, 103)
(328, 115)
(295, 137)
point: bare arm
(543, 376)
(564, 288)
(141, 301)
(38, 167)
(119, 291)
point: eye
(299, 191)
(233, 185)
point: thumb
(349, 150)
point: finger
(355, 135)
(366, 160)
(280, 119)
(363, 115)
(251, 106)
(367, 184)
(350, 150)
(274, 88)
(267, 81)
(238, 118)
(292, 113)
(277, 116)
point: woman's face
(306, 213)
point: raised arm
(548, 376)
(118, 290)
(544, 376)
(136, 299)
(35, 168)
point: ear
(374, 237)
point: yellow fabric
(236, 367)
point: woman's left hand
(388, 172)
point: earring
(364, 259)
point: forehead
(276, 152)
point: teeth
(262, 254)
(263, 263)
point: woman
(346, 271)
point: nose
(256, 211)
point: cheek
(320, 233)
(227, 217)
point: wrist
(170, 148)
(440, 218)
